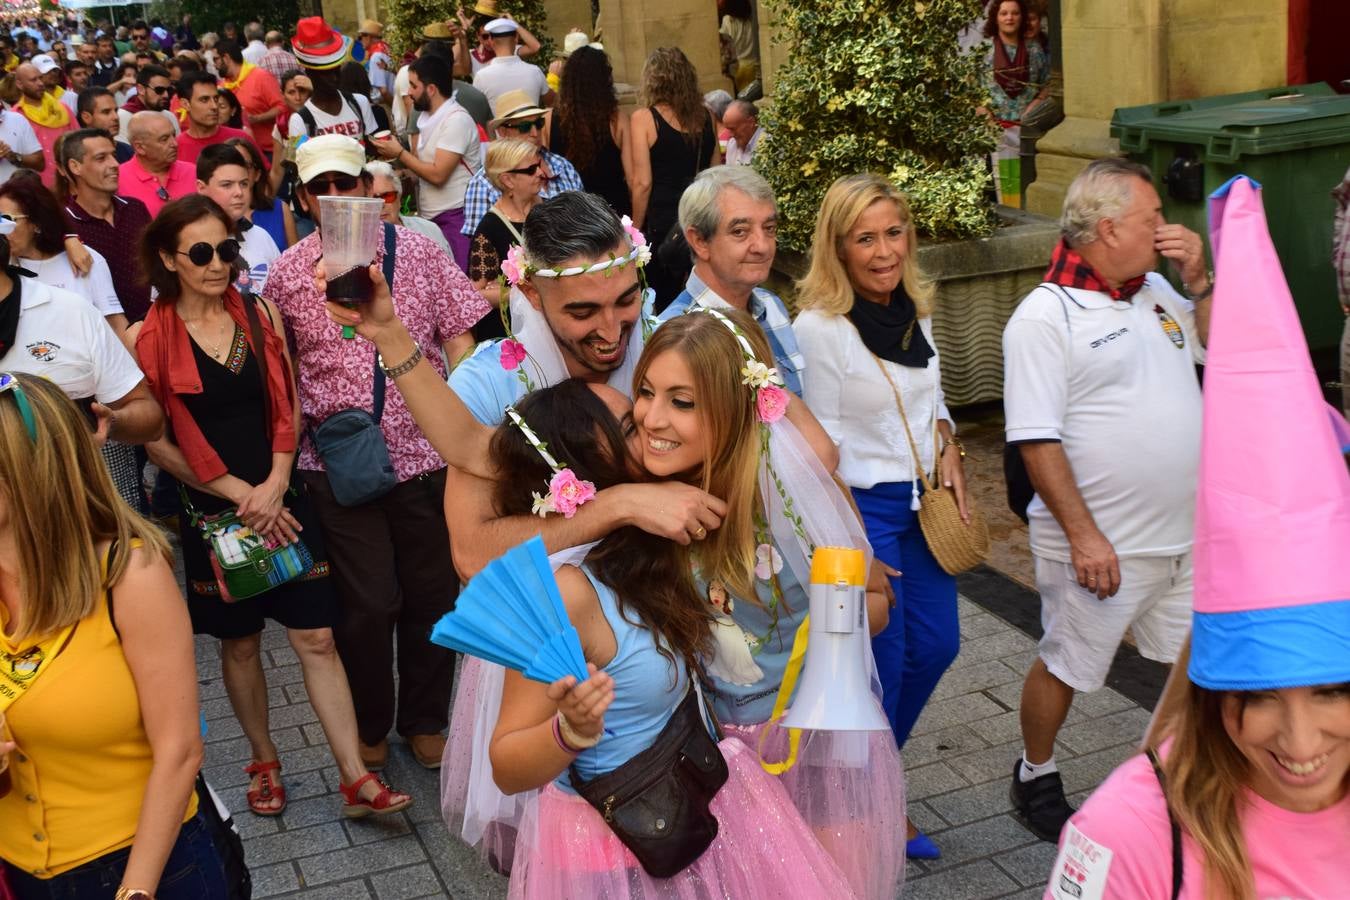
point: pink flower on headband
(566, 492)
(771, 402)
(635, 237)
(513, 354)
(514, 267)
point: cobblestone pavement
(959, 764)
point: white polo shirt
(1115, 383)
(510, 73)
(63, 338)
(18, 134)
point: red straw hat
(317, 46)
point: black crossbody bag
(657, 803)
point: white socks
(1030, 771)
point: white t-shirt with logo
(345, 122)
(452, 129)
(65, 340)
(258, 249)
(510, 73)
(18, 134)
(1115, 383)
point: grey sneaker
(1040, 804)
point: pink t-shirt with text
(1119, 846)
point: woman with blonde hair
(866, 333)
(672, 141)
(515, 168)
(94, 632)
(699, 421)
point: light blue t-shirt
(485, 387)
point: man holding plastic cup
(390, 566)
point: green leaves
(879, 86)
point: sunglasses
(16, 218)
(168, 89)
(527, 170)
(10, 385)
(162, 193)
(389, 197)
(524, 127)
(321, 186)
(201, 252)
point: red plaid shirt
(1069, 269)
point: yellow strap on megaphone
(790, 673)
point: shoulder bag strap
(507, 222)
(1178, 873)
(387, 265)
(904, 420)
(259, 353)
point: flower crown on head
(771, 398)
(566, 492)
(516, 267)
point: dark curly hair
(651, 576)
(991, 17)
(587, 105)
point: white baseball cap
(45, 63)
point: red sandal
(385, 803)
(269, 788)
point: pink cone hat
(1272, 525)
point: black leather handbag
(657, 802)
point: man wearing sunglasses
(154, 92)
(154, 175)
(446, 151)
(201, 98)
(140, 41)
(518, 118)
(389, 556)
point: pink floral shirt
(433, 298)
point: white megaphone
(835, 693)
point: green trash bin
(1294, 140)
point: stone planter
(979, 282)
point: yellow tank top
(83, 760)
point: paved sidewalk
(959, 765)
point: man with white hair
(385, 184)
(1101, 397)
(154, 175)
(255, 49)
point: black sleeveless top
(675, 162)
(232, 416)
(604, 176)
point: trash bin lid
(1279, 122)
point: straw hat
(514, 105)
(371, 27)
(317, 46)
(575, 40)
(486, 7)
(438, 31)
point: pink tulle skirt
(565, 851)
(850, 789)
(474, 811)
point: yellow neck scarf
(244, 71)
(49, 113)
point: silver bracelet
(403, 368)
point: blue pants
(193, 871)
(923, 636)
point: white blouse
(855, 404)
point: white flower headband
(566, 492)
(516, 268)
(771, 398)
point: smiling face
(1297, 741)
(98, 168)
(1009, 21)
(874, 249)
(591, 316)
(670, 427)
(740, 253)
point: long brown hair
(587, 105)
(650, 576)
(668, 77)
(1205, 774)
(731, 427)
(61, 504)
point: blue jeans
(193, 872)
(923, 636)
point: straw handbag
(955, 545)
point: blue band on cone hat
(1272, 592)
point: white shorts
(1082, 633)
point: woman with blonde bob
(866, 333)
(99, 739)
(515, 168)
(699, 421)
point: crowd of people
(570, 338)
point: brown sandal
(385, 803)
(269, 788)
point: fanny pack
(657, 803)
(350, 441)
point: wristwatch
(403, 368)
(1209, 289)
(126, 893)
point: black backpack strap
(1178, 871)
(387, 265)
(307, 117)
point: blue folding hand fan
(511, 614)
